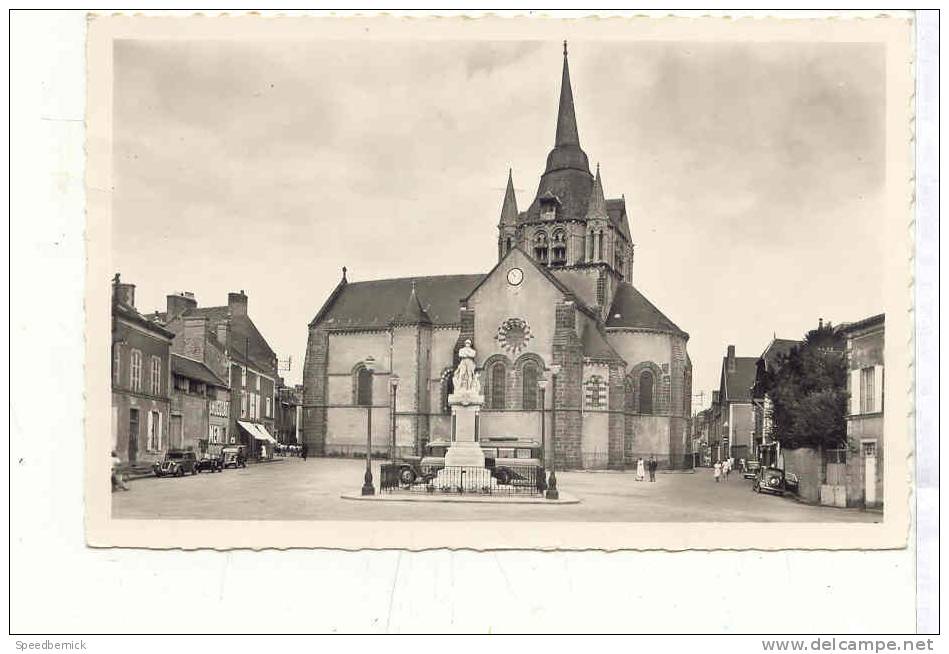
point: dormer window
(548, 212)
(541, 247)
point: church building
(559, 307)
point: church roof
(595, 345)
(631, 309)
(374, 304)
(412, 313)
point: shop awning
(257, 431)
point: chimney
(194, 336)
(731, 358)
(124, 293)
(178, 304)
(237, 303)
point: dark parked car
(791, 482)
(769, 480)
(751, 469)
(209, 463)
(176, 463)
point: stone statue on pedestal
(465, 380)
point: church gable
(514, 309)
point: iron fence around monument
(457, 480)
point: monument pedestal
(464, 460)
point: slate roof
(738, 382)
(195, 370)
(244, 341)
(131, 313)
(631, 309)
(777, 348)
(595, 345)
(374, 304)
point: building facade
(141, 371)
(289, 419)
(225, 340)
(735, 413)
(865, 384)
(197, 415)
(559, 307)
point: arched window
(559, 252)
(599, 240)
(509, 245)
(646, 382)
(448, 387)
(540, 247)
(591, 243)
(498, 382)
(363, 387)
(529, 378)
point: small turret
(507, 226)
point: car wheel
(504, 476)
(407, 476)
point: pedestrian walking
(717, 471)
(727, 468)
(117, 482)
(303, 451)
(640, 470)
(741, 465)
(652, 468)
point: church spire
(566, 115)
(509, 207)
(567, 152)
(597, 207)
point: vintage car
(791, 482)
(510, 459)
(751, 469)
(175, 463)
(233, 456)
(513, 460)
(769, 480)
(210, 462)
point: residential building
(289, 420)
(865, 384)
(559, 305)
(199, 406)
(140, 380)
(735, 407)
(227, 341)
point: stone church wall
(595, 444)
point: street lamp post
(394, 384)
(552, 492)
(367, 487)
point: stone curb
(565, 498)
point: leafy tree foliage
(808, 390)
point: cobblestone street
(291, 489)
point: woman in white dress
(640, 470)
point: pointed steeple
(567, 152)
(509, 207)
(413, 313)
(567, 133)
(597, 207)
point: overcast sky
(753, 173)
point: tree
(808, 391)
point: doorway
(133, 435)
(870, 473)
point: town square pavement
(292, 489)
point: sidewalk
(145, 471)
